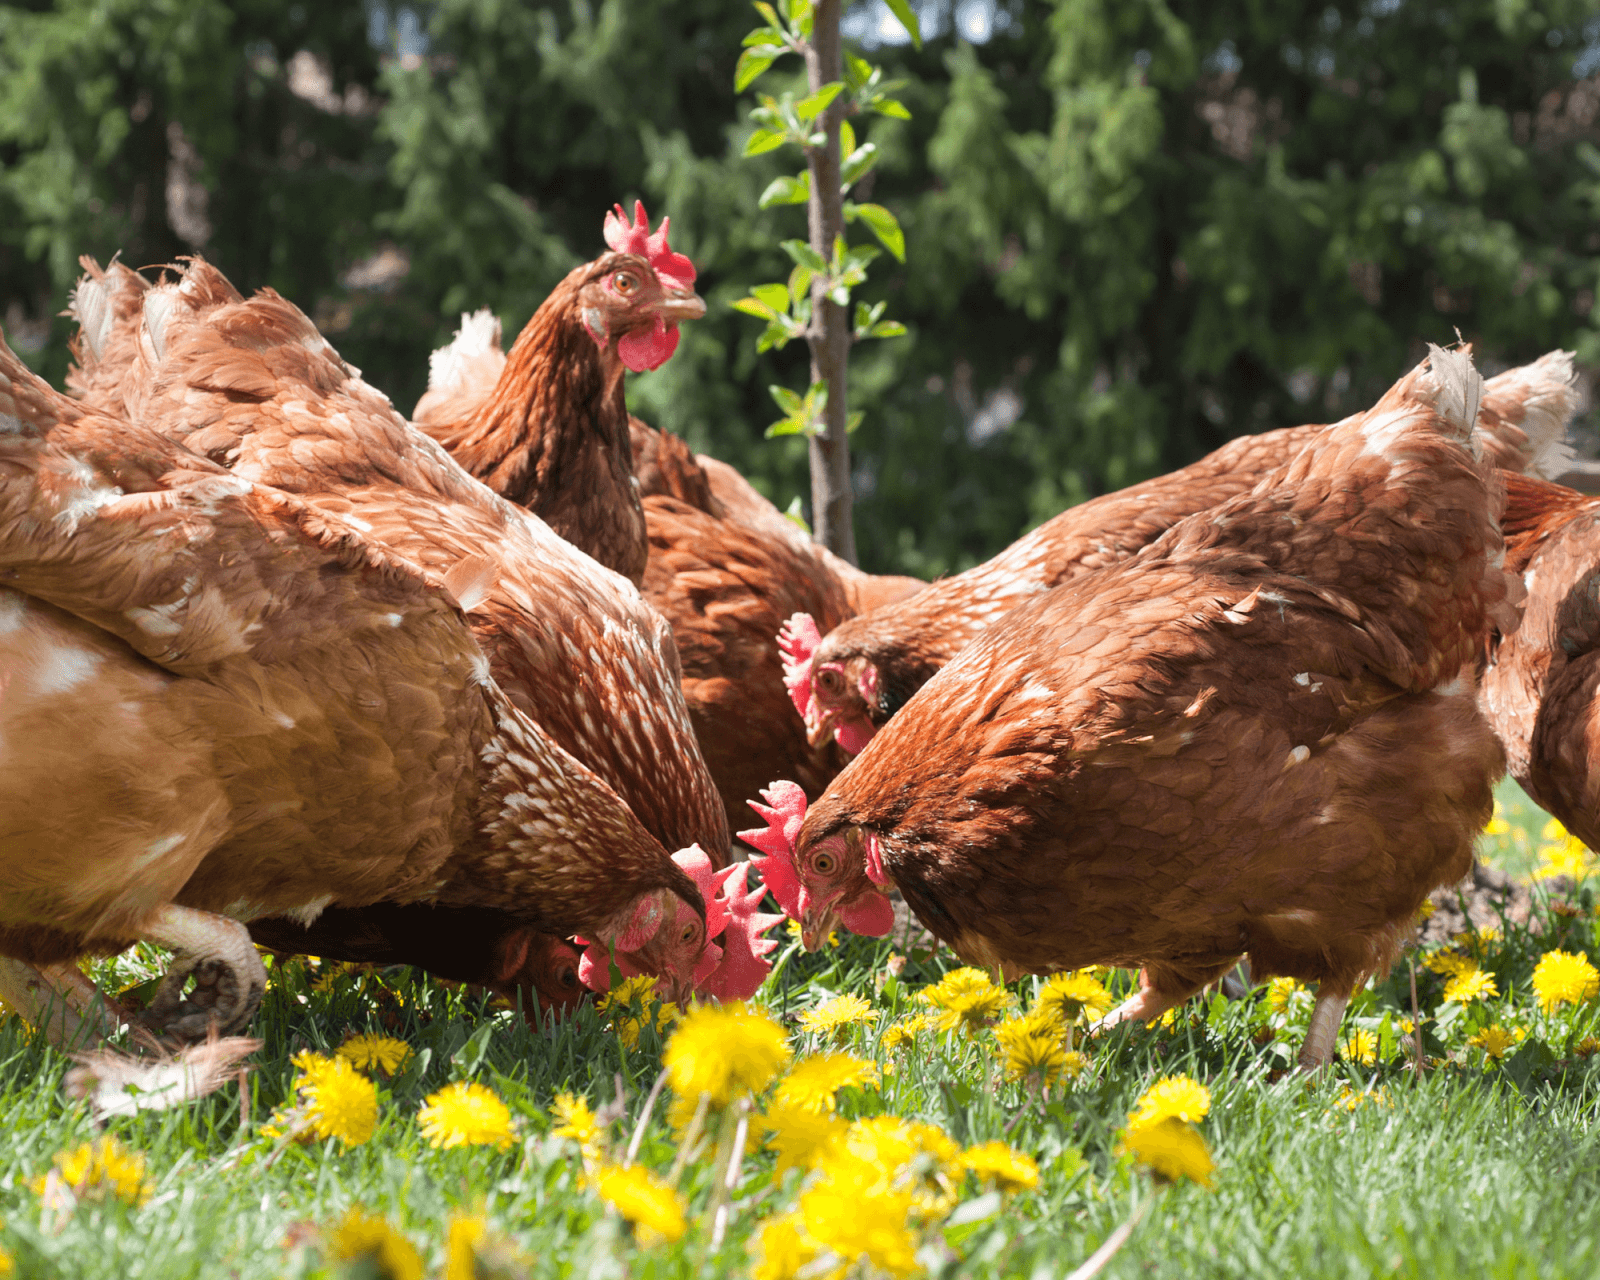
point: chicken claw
(229, 978)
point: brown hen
(1257, 735)
(237, 704)
(553, 433)
(253, 385)
(867, 668)
(1541, 688)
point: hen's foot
(1322, 1036)
(61, 1001)
(1145, 1005)
(229, 978)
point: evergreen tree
(1136, 227)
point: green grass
(1478, 1168)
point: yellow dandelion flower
(722, 1051)
(1029, 1052)
(1497, 824)
(812, 1083)
(329, 980)
(838, 1014)
(1571, 857)
(1426, 910)
(310, 1065)
(889, 1144)
(801, 1137)
(463, 1114)
(1171, 1149)
(1279, 992)
(381, 1053)
(1470, 985)
(997, 1164)
(902, 1034)
(654, 1208)
(362, 1238)
(783, 1248)
(969, 998)
(7, 1263)
(1586, 1047)
(461, 1243)
(794, 932)
(1563, 977)
(628, 1029)
(637, 992)
(1495, 1041)
(860, 1220)
(100, 1170)
(1067, 997)
(578, 1122)
(340, 1102)
(1450, 963)
(1171, 1097)
(1362, 1047)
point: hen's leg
(61, 1001)
(1160, 989)
(1323, 1033)
(229, 978)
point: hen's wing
(329, 688)
(1541, 687)
(664, 465)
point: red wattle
(648, 349)
(871, 916)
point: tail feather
(1452, 386)
(479, 335)
(1531, 407)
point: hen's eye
(831, 681)
(688, 933)
(823, 864)
(624, 282)
(568, 978)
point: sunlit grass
(1486, 1165)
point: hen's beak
(679, 305)
(678, 991)
(816, 923)
(819, 728)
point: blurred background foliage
(1136, 227)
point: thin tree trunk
(831, 499)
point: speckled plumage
(1256, 735)
(220, 696)
(1522, 418)
(254, 385)
(1541, 687)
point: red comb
(798, 640)
(675, 270)
(742, 970)
(783, 819)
